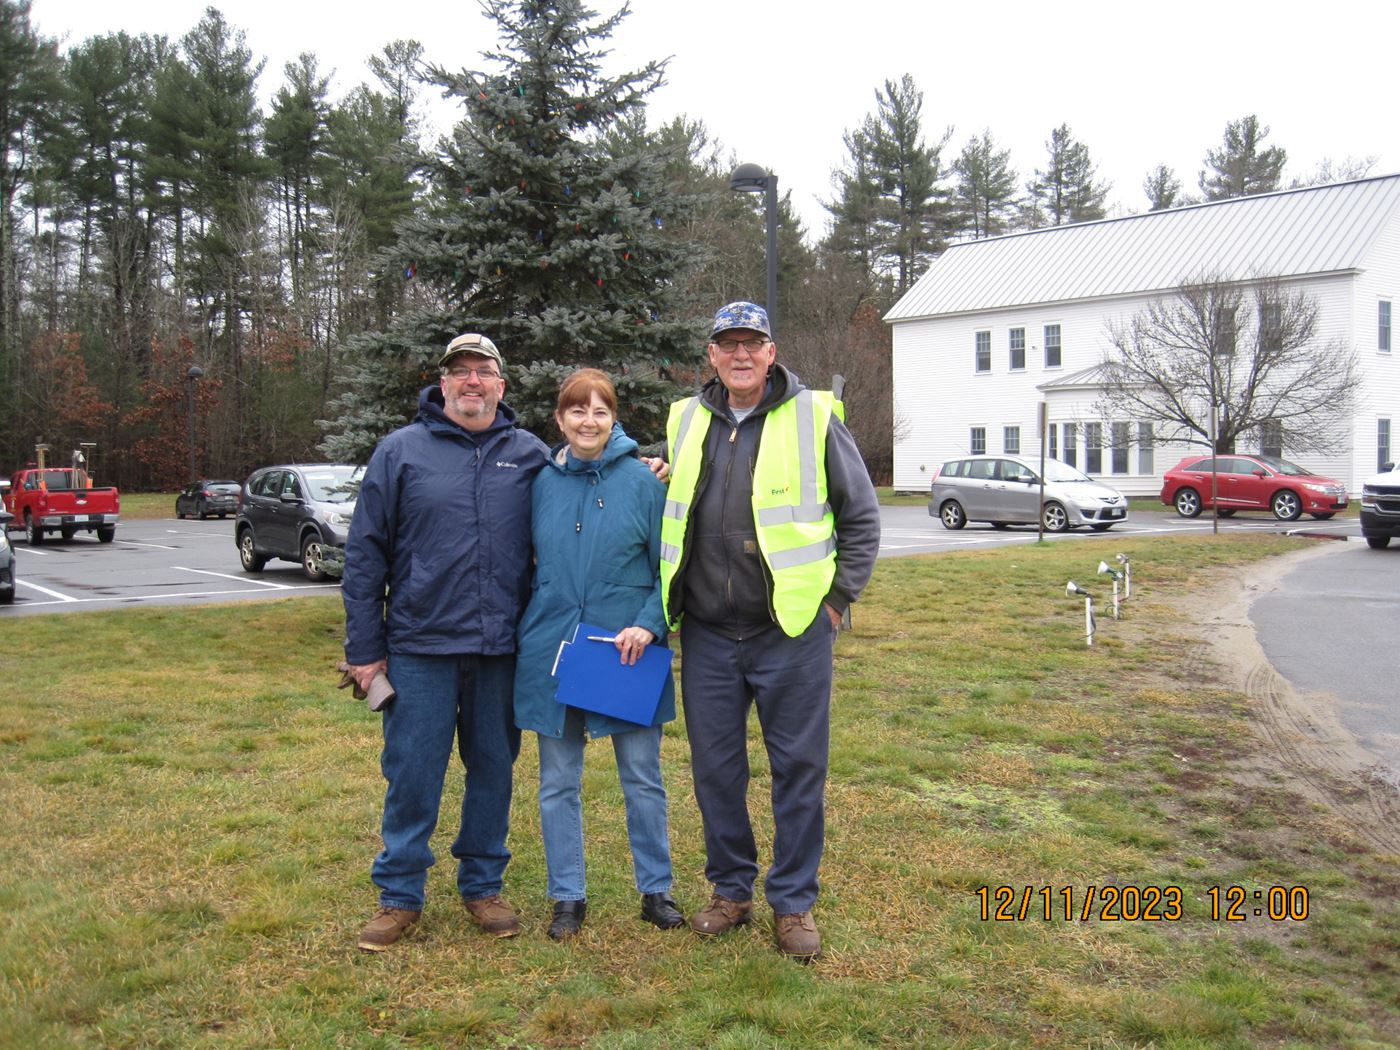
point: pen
(600, 638)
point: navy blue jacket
(438, 558)
(597, 528)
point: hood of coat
(432, 411)
(782, 385)
(618, 447)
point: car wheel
(203, 513)
(1378, 543)
(106, 533)
(248, 555)
(179, 514)
(6, 597)
(33, 534)
(1054, 518)
(952, 515)
(313, 559)
(1188, 503)
(1325, 517)
(1103, 527)
(1228, 512)
(1286, 505)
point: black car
(205, 497)
(7, 560)
(297, 512)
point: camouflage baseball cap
(473, 344)
(741, 315)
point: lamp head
(1121, 559)
(749, 178)
(1073, 588)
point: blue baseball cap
(741, 315)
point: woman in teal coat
(597, 537)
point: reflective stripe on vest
(793, 520)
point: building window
(1054, 434)
(1271, 438)
(1270, 327)
(1223, 335)
(979, 440)
(1145, 443)
(1093, 448)
(1018, 348)
(1119, 432)
(1071, 445)
(1383, 333)
(1011, 440)
(1382, 443)
(1052, 346)
(984, 351)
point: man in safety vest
(770, 531)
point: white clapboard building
(997, 327)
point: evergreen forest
(185, 268)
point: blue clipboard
(592, 676)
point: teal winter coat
(597, 534)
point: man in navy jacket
(437, 572)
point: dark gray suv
(297, 512)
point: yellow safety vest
(795, 526)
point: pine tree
(533, 232)
(986, 190)
(1162, 188)
(889, 210)
(1065, 190)
(1241, 166)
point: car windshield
(334, 484)
(1057, 471)
(1282, 466)
(221, 486)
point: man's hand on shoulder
(658, 466)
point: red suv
(1251, 483)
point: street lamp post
(194, 374)
(751, 178)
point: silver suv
(1005, 490)
(299, 512)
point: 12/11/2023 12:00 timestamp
(1139, 903)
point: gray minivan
(1005, 490)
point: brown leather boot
(494, 916)
(387, 927)
(797, 935)
(720, 916)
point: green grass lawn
(190, 809)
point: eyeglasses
(753, 346)
(484, 374)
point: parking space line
(132, 598)
(239, 579)
(45, 590)
(157, 546)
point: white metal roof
(1321, 229)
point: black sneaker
(660, 910)
(568, 919)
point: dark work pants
(789, 681)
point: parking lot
(172, 562)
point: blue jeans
(470, 697)
(789, 681)
(638, 754)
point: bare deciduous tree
(1252, 348)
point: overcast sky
(778, 82)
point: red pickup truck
(61, 500)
